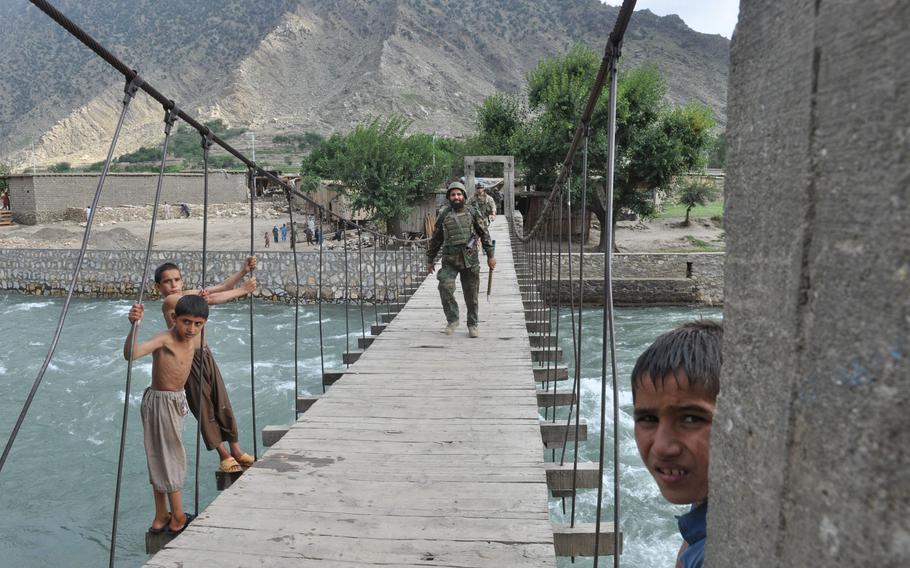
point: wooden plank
(351, 357)
(559, 477)
(272, 434)
(409, 461)
(579, 540)
(558, 398)
(543, 354)
(555, 432)
(331, 376)
(305, 402)
(551, 372)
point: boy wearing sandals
(205, 391)
(164, 406)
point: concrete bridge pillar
(810, 462)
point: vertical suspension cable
(549, 349)
(130, 90)
(206, 146)
(581, 295)
(347, 291)
(575, 346)
(170, 116)
(375, 278)
(363, 322)
(319, 301)
(287, 194)
(609, 333)
(252, 178)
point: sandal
(246, 460)
(172, 532)
(161, 529)
(230, 465)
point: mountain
(290, 66)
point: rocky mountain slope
(288, 66)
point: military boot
(450, 329)
(473, 331)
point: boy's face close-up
(188, 327)
(171, 282)
(673, 433)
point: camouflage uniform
(454, 230)
(485, 205)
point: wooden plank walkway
(427, 452)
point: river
(56, 491)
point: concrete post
(810, 455)
(469, 176)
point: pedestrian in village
(275, 232)
(458, 229)
(6, 204)
(308, 233)
(266, 239)
(185, 210)
(317, 235)
(483, 202)
(166, 211)
(284, 232)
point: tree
(655, 142)
(695, 193)
(383, 170)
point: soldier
(483, 203)
(458, 228)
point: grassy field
(675, 210)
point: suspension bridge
(424, 448)
(429, 448)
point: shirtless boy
(164, 406)
(675, 384)
(208, 398)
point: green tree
(5, 170)
(383, 170)
(61, 167)
(695, 193)
(655, 141)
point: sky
(706, 16)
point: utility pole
(253, 143)
(34, 167)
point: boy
(675, 384)
(208, 398)
(164, 406)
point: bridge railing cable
(130, 90)
(170, 117)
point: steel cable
(609, 335)
(170, 117)
(319, 305)
(252, 185)
(294, 234)
(129, 93)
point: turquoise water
(56, 491)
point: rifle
(490, 276)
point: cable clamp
(132, 86)
(170, 116)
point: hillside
(291, 66)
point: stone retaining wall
(117, 273)
(640, 279)
(649, 278)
